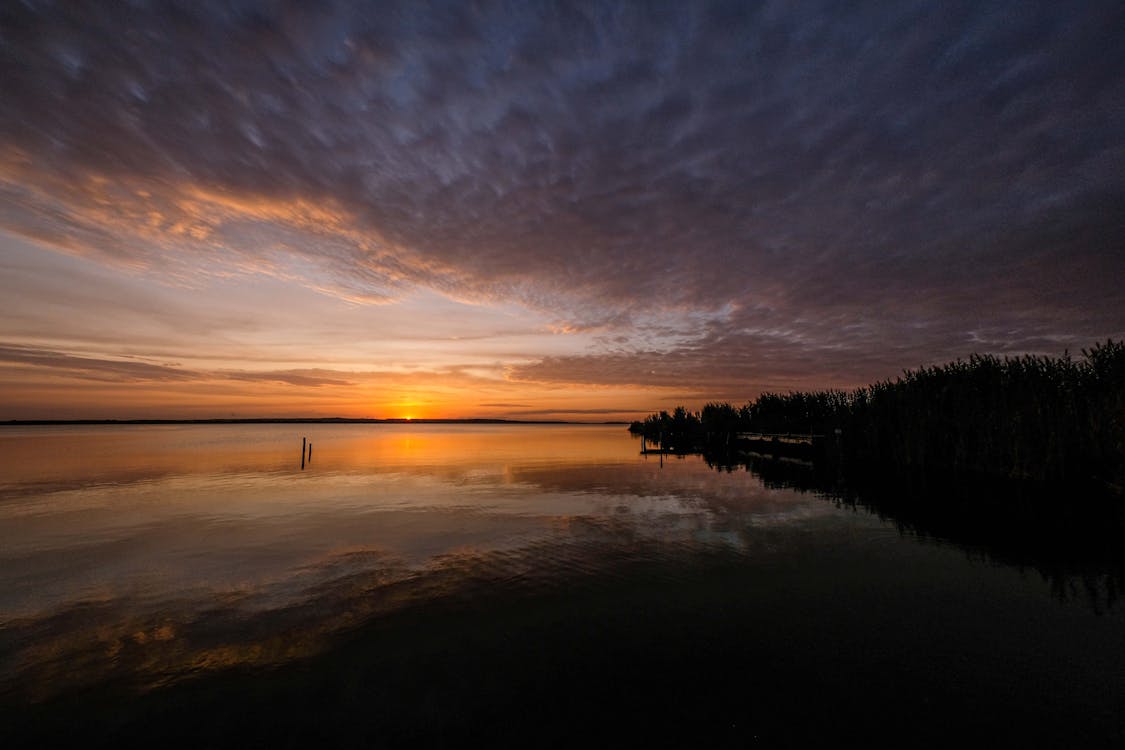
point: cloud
(864, 187)
(310, 378)
(91, 368)
(127, 370)
(565, 413)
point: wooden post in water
(303, 453)
(310, 453)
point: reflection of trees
(1074, 546)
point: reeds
(1042, 419)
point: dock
(785, 438)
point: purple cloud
(848, 189)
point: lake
(540, 585)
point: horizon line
(299, 420)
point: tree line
(1038, 418)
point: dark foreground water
(515, 585)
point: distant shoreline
(285, 420)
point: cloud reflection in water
(166, 552)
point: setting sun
(409, 410)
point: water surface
(422, 583)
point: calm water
(538, 585)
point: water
(432, 584)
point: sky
(527, 210)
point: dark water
(518, 585)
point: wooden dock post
(303, 453)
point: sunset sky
(528, 210)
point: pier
(786, 438)
(792, 444)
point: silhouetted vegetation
(1029, 418)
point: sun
(409, 409)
